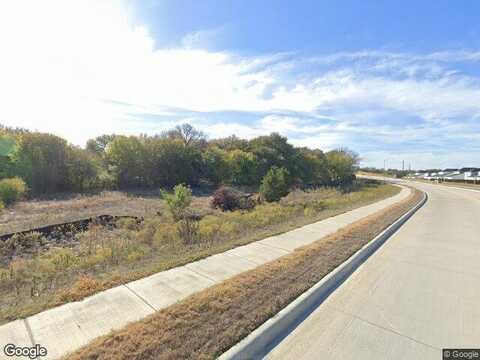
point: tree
(126, 156)
(82, 169)
(98, 145)
(187, 134)
(215, 165)
(48, 163)
(231, 143)
(171, 162)
(273, 150)
(8, 146)
(274, 184)
(41, 160)
(243, 167)
(311, 167)
(342, 165)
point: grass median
(208, 323)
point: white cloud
(61, 58)
(66, 67)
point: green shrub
(178, 202)
(274, 184)
(12, 190)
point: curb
(258, 343)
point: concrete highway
(419, 293)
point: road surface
(419, 293)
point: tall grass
(104, 257)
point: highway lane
(419, 293)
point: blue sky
(251, 27)
(391, 80)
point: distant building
(466, 174)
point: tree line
(182, 155)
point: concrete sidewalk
(68, 327)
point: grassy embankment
(208, 323)
(102, 258)
(62, 208)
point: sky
(392, 80)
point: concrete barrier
(267, 336)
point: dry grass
(26, 215)
(208, 323)
(110, 258)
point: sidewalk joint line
(141, 298)
(29, 331)
(200, 274)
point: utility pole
(403, 165)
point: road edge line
(258, 343)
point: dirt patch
(25, 244)
(208, 323)
(27, 215)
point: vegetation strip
(100, 258)
(208, 323)
(39, 164)
(76, 226)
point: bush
(18, 243)
(84, 286)
(229, 199)
(179, 201)
(12, 190)
(178, 204)
(274, 184)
